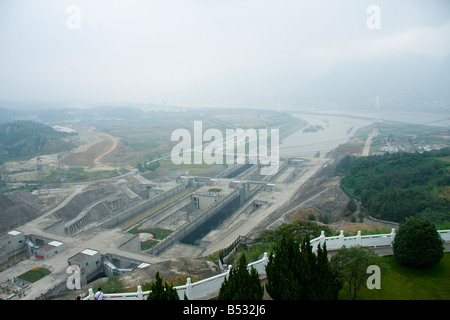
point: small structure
(90, 264)
(207, 195)
(49, 250)
(234, 184)
(11, 243)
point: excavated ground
(17, 208)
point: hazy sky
(195, 52)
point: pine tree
(282, 270)
(162, 292)
(295, 273)
(242, 285)
(308, 276)
(327, 284)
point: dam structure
(111, 221)
(216, 201)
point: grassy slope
(407, 284)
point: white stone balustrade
(202, 288)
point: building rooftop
(51, 246)
(217, 189)
(55, 243)
(83, 255)
(10, 234)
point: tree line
(399, 185)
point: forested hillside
(399, 185)
(25, 139)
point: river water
(338, 129)
(335, 130)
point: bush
(417, 244)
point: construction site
(135, 223)
(116, 219)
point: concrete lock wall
(132, 245)
(132, 212)
(194, 224)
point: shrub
(417, 244)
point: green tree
(160, 291)
(327, 282)
(242, 284)
(417, 244)
(296, 273)
(282, 270)
(351, 206)
(350, 266)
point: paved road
(372, 135)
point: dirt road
(97, 160)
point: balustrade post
(358, 238)
(322, 238)
(341, 239)
(188, 288)
(228, 271)
(140, 295)
(265, 262)
(91, 294)
(392, 235)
